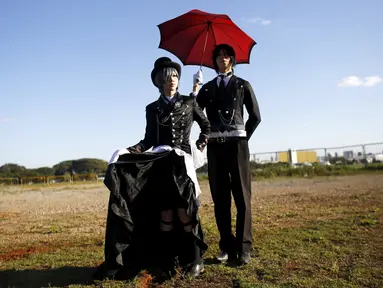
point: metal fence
(52, 180)
(368, 151)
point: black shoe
(224, 256)
(194, 270)
(244, 258)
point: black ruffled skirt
(141, 186)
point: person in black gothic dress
(153, 192)
(225, 98)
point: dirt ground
(36, 220)
(41, 212)
(35, 201)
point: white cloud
(5, 120)
(265, 22)
(260, 20)
(372, 81)
(354, 81)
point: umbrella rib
(230, 38)
(192, 47)
(212, 30)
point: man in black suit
(228, 154)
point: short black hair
(228, 49)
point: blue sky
(75, 75)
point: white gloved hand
(117, 154)
(198, 78)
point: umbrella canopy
(193, 36)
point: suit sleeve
(202, 121)
(201, 97)
(150, 132)
(252, 108)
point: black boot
(190, 253)
(167, 252)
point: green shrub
(272, 170)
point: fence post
(364, 151)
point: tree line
(69, 167)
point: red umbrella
(192, 34)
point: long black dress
(141, 184)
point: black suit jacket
(170, 124)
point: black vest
(225, 108)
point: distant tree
(80, 166)
(11, 170)
(62, 168)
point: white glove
(198, 78)
(117, 154)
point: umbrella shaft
(204, 46)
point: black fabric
(193, 254)
(229, 172)
(170, 124)
(167, 249)
(139, 184)
(238, 93)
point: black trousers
(229, 173)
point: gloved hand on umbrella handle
(198, 78)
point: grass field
(318, 232)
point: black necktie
(222, 83)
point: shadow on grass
(60, 277)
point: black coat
(170, 124)
(238, 93)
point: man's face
(223, 61)
(170, 87)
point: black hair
(228, 49)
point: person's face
(223, 61)
(170, 87)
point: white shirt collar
(228, 72)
